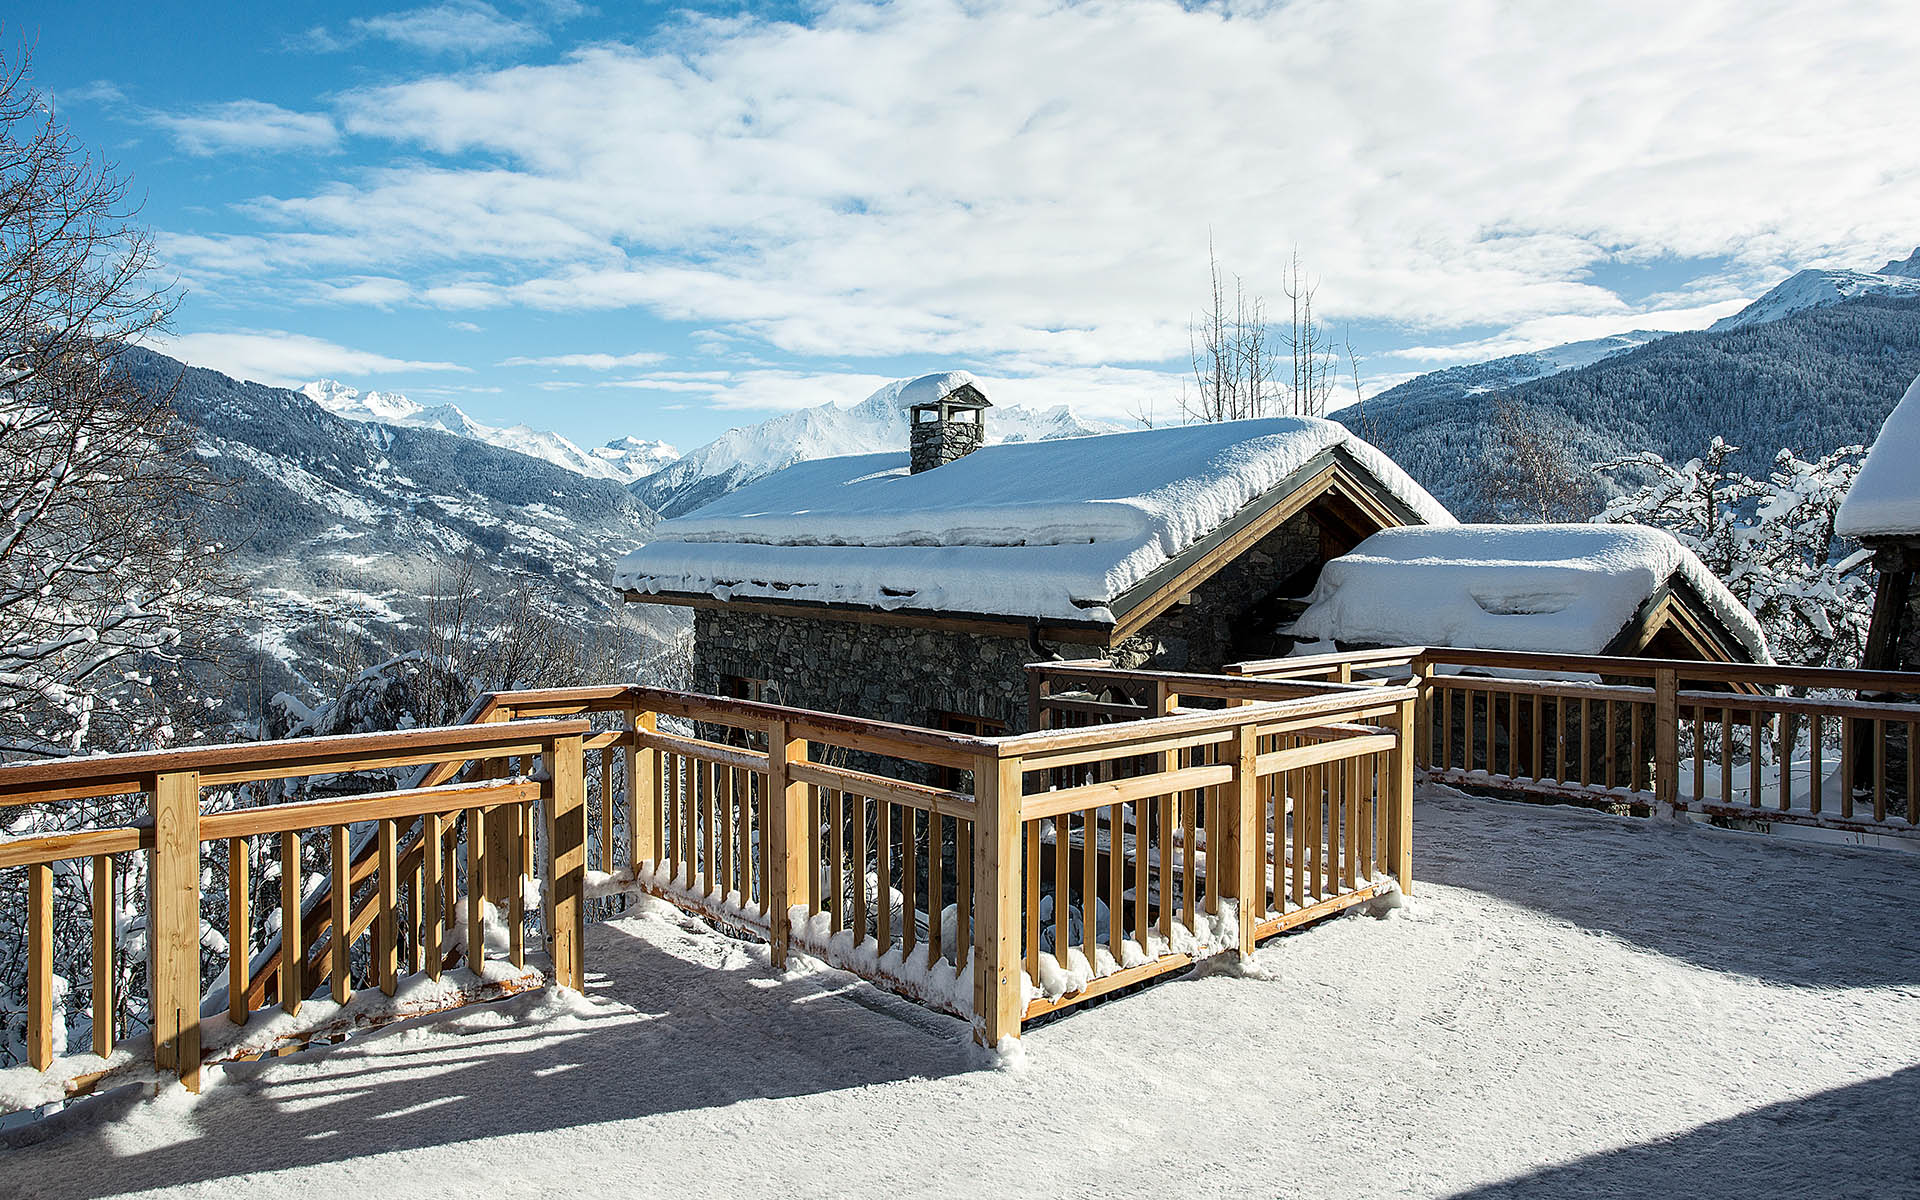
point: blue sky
(663, 221)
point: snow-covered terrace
(1576, 1005)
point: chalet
(1882, 511)
(1619, 590)
(916, 586)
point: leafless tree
(107, 580)
(1238, 357)
(1531, 471)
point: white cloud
(462, 27)
(1036, 180)
(284, 359)
(248, 125)
(591, 362)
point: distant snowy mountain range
(877, 424)
(622, 460)
(1812, 288)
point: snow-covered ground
(1576, 1005)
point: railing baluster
(104, 1001)
(1879, 769)
(1847, 767)
(293, 955)
(1188, 862)
(1033, 872)
(40, 1016)
(1116, 885)
(1816, 736)
(1754, 786)
(910, 881)
(1534, 743)
(432, 915)
(239, 931)
(836, 868)
(1167, 801)
(1062, 872)
(516, 895)
(1726, 755)
(936, 885)
(859, 868)
(340, 887)
(388, 886)
(1090, 885)
(476, 892)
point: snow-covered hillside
(622, 460)
(1818, 289)
(876, 425)
(341, 528)
(1515, 369)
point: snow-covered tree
(1771, 540)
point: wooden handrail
(246, 762)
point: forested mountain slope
(1818, 379)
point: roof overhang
(1334, 474)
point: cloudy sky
(626, 219)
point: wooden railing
(947, 867)
(409, 893)
(1737, 742)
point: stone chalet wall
(907, 674)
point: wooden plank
(894, 791)
(173, 921)
(40, 1014)
(1753, 760)
(1116, 884)
(104, 1001)
(998, 997)
(246, 762)
(1090, 886)
(355, 810)
(606, 812)
(642, 769)
(884, 893)
(859, 861)
(909, 880)
(386, 883)
(787, 814)
(477, 891)
(743, 832)
(963, 893)
(566, 829)
(1062, 874)
(1246, 805)
(836, 857)
(293, 955)
(86, 843)
(239, 931)
(433, 913)
(516, 892)
(341, 892)
(1667, 744)
(1166, 964)
(1092, 795)
(1879, 770)
(936, 885)
(1816, 781)
(703, 751)
(1314, 753)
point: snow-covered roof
(1053, 530)
(1550, 588)
(1884, 500)
(932, 389)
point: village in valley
(1233, 625)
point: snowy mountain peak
(623, 460)
(1908, 266)
(355, 405)
(876, 425)
(1818, 288)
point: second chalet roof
(1569, 589)
(1054, 530)
(1884, 500)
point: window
(953, 778)
(742, 687)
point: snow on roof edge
(1884, 500)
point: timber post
(173, 916)
(786, 809)
(643, 770)
(1666, 743)
(564, 801)
(1423, 734)
(1248, 828)
(1400, 790)
(999, 997)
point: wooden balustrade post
(1422, 734)
(40, 1015)
(998, 995)
(786, 812)
(1039, 687)
(564, 804)
(1666, 743)
(173, 924)
(1400, 794)
(643, 793)
(1246, 830)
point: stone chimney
(947, 415)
